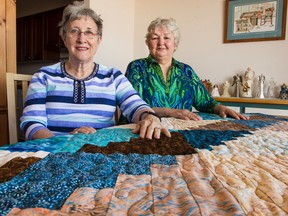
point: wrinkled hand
(184, 114)
(224, 111)
(84, 130)
(151, 127)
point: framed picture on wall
(254, 20)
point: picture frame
(254, 20)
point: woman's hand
(84, 130)
(224, 111)
(151, 127)
(177, 113)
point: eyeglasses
(76, 33)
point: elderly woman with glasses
(80, 95)
(171, 87)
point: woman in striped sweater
(80, 95)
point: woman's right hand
(84, 130)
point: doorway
(38, 41)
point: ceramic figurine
(260, 90)
(215, 91)
(208, 85)
(284, 92)
(237, 82)
(226, 86)
(271, 88)
(247, 82)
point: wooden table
(214, 166)
(253, 102)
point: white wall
(201, 24)
(116, 48)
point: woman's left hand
(224, 111)
(151, 127)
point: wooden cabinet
(7, 58)
(52, 41)
(38, 36)
(30, 38)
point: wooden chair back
(15, 83)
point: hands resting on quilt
(185, 114)
(150, 127)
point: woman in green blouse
(171, 87)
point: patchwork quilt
(211, 167)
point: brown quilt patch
(259, 117)
(175, 145)
(15, 166)
(262, 117)
(224, 125)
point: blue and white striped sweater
(57, 101)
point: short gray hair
(75, 11)
(168, 23)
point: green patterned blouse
(182, 90)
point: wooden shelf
(267, 103)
